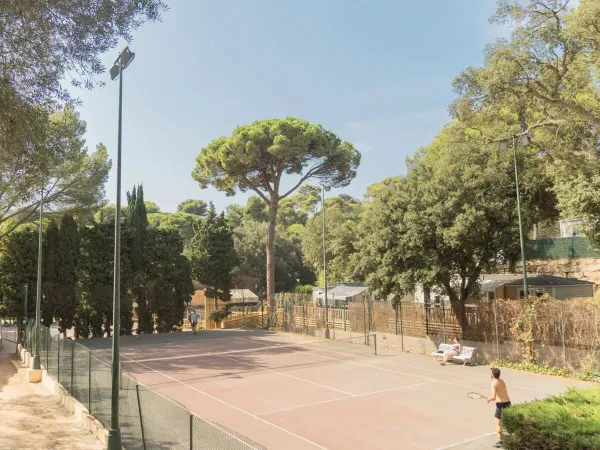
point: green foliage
(219, 314)
(136, 219)
(45, 42)
(151, 207)
(18, 267)
(342, 218)
(256, 157)
(250, 242)
(212, 255)
(169, 284)
(570, 421)
(51, 267)
(590, 374)
(94, 312)
(67, 263)
(182, 222)
(453, 216)
(194, 207)
(304, 289)
(73, 180)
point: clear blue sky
(377, 73)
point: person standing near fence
(500, 396)
(194, 321)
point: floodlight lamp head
(114, 72)
(502, 145)
(524, 140)
(126, 57)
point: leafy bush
(304, 289)
(219, 314)
(570, 421)
(589, 374)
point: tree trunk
(271, 251)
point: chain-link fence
(148, 420)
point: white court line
(343, 361)
(458, 376)
(289, 376)
(219, 353)
(234, 407)
(465, 442)
(372, 358)
(339, 399)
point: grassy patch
(570, 421)
(585, 375)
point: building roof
(242, 295)
(547, 280)
(342, 291)
(491, 285)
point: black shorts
(194, 324)
(499, 407)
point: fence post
(72, 364)
(191, 431)
(375, 343)
(443, 309)
(496, 332)
(137, 392)
(89, 381)
(401, 326)
(48, 347)
(364, 319)
(262, 314)
(426, 305)
(396, 319)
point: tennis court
(284, 391)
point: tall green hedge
(570, 421)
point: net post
(72, 364)
(375, 342)
(401, 326)
(137, 392)
(58, 359)
(90, 381)
(191, 432)
(48, 347)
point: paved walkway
(31, 417)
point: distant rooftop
(547, 280)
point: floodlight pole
(114, 433)
(36, 334)
(325, 267)
(521, 237)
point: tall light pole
(325, 267)
(503, 145)
(114, 433)
(38, 298)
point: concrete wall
(582, 268)
(565, 292)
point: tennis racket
(475, 396)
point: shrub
(587, 374)
(304, 289)
(219, 314)
(570, 421)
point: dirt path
(31, 417)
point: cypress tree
(137, 224)
(51, 266)
(212, 255)
(68, 257)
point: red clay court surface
(327, 396)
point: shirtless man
(500, 396)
